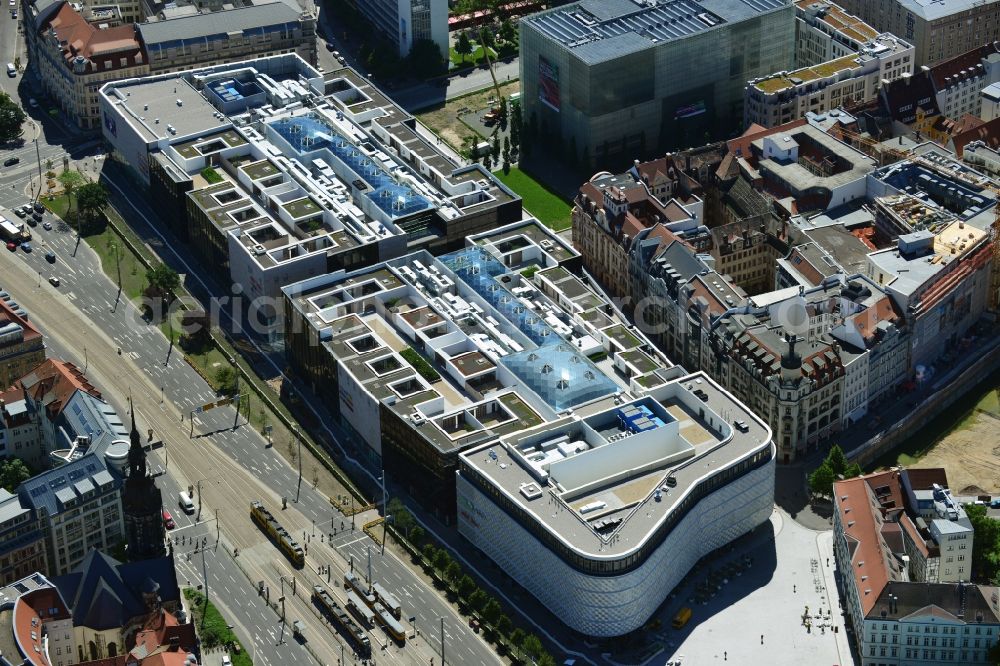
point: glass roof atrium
(310, 133)
(554, 370)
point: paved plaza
(762, 588)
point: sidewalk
(824, 543)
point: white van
(11, 70)
(185, 503)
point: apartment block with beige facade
(851, 79)
(938, 30)
(73, 58)
(898, 619)
(824, 32)
(22, 346)
(76, 49)
(211, 38)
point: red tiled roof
(911, 530)
(53, 383)
(954, 67)
(925, 478)
(28, 612)
(861, 513)
(805, 267)
(867, 320)
(741, 144)
(7, 315)
(988, 133)
(104, 48)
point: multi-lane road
(83, 324)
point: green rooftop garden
(261, 169)
(211, 175)
(622, 336)
(806, 74)
(301, 208)
(420, 364)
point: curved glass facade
(582, 562)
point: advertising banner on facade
(548, 84)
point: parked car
(32, 102)
(329, 47)
(12, 246)
(26, 246)
(32, 222)
(226, 661)
(168, 520)
(39, 208)
(47, 226)
(20, 212)
(54, 281)
(11, 70)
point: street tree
(91, 198)
(478, 600)
(12, 117)
(70, 181)
(837, 460)
(441, 560)
(425, 59)
(508, 32)
(492, 612)
(533, 646)
(416, 534)
(453, 572)
(466, 586)
(821, 480)
(545, 659)
(463, 46)
(13, 472)
(195, 330)
(225, 380)
(429, 551)
(504, 625)
(163, 281)
(517, 639)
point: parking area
(771, 600)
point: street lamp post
(38, 155)
(298, 439)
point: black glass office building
(623, 79)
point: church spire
(136, 454)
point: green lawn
(213, 628)
(471, 59)
(548, 207)
(58, 205)
(115, 254)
